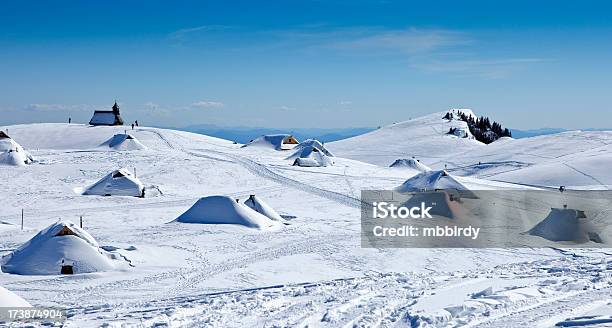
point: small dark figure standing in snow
(132, 126)
(69, 120)
(136, 122)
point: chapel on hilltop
(107, 117)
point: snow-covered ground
(312, 271)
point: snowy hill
(309, 271)
(60, 136)
(425, 138)
(574, 158)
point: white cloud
(40, 107)
(486, 68)
(45, 107)
(431, 50)
(151, 105)
(410, 40)
(317, 36)
(184, 32)
(207, 104)
(287, 108)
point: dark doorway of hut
(66, 269)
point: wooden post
(22, 219)
(81, 221)
(135, 172)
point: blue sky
(528, 64)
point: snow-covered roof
(62, 243)
(410, 163)
(103, 117)
(14, 158)
(564, 224)
(275, 141)
(124, 141)
(440, 203)
(117, 183)
(7, 144)
(313, 150)
(461, 131)
(305, 148)
(306, 162)
(262, 207)
(10, 299)
(431, 181)
(11, 153)
(225, 210)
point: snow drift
(564, 224)
(311, 152)
(10, 299)
(117, 183)
(11, 153)
(225, 210)
(123, 141)
(410, 163)
(262, 207)
(274, 141)
(61, 244)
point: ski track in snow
(550, 312)
(184, 280)
(585, 174)
(263, 171)
(562, 285)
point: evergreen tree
(482, 128)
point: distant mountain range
(517, 134)
(245, 134)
